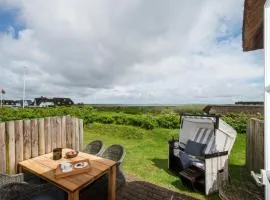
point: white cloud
(131, 51)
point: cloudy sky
(135, 51)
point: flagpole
(23, 85)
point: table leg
(112, 183)
(20, 169)
(73, 195)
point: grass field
(147, 154)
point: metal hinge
(262, 178)
(267, 88)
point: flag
(3, 91)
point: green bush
(168, 121)
(152, 110)
(239, 120)
(140, 117)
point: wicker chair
(13, 187)
(95, 147)
(116, 153)
(98, 189)
(6, 179)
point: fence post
(58, 132)
(48, 135)
(73, 135)
(77, 134)
(41, 137)
(53, 132)
(81, 134)
(255, 145)
(3, 160)
(26, 140)
(10, 138)
(34, 138)
(19, 141)
(69, 132)
(64, 132)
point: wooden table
(44, 167)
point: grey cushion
(198, 163)
(185, 159)
(176, 152)
(176, 145)
(188, 160)
(195, 148)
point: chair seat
(188, 160)
(199, 163)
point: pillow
(195, 148)
(176, 145)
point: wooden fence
(255, 145)
(24, 139)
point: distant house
(17, 103)
(40, 102)
(45, 102)
(9, 102)
(27, 103)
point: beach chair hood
(210, 130)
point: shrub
(141, 117)
(238, 121)
(168, 121)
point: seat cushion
(185, 159)
(176, 152)
(176, 145)
(188, 160)
(195, 148)
(199, 164)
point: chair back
(210, 130)
(114, 152)
(95, 147)
(7, 179)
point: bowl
(72, 154)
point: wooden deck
(136, 189)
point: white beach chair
(218, 138)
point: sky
(128, 52)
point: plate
(80, 165)
(72, 154)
